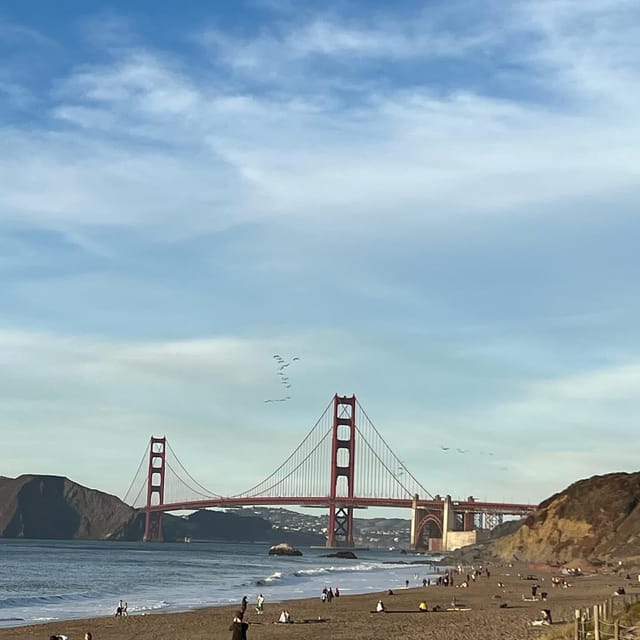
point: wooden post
(576, 625)
(596, 622)
(616, 630)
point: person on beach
(238, 627)
(88, 636)
(380, 607)
(125, 608)
(260, 605)
(423, 606)
(285, 617)
(243, 604)
(336, 593)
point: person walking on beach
(243, 605)
(238, 627)
(260, 605)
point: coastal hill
(52, 507)
(56, 508)
(593, 521)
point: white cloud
(156, 145)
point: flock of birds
(282, 373)
(482, 453)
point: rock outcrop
(284, 549)
(348, 555)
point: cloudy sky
(433, 204)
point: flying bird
(445, 448)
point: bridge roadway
(460, 506)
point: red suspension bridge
(341, 465)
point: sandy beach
(477, 613)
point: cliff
(52, 507)
(595, 521)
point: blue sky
(433, 204)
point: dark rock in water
(284, 549)
(349, 555)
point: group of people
(328, 594)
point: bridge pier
(343, 447)
(429, 519)
(155, 489)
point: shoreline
(483, 611)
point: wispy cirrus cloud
(452, 197)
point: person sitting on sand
(423, 606)
(545, 620)
(284, 618)
(238, 627)
(88, 636)
(380, 607)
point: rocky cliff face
(53, 507)
(593, 521)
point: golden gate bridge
(342, 464)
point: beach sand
(350, 616)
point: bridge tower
(155, 488)
(343, 447)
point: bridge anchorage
(328, 451)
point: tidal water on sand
(42, 580)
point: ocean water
(42, 580)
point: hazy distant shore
(350, 617)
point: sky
(433, 204)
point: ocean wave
(269, 579)
(371, 566)
(51, 599)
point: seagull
(461, 450)
(294, 359)
(445, 448)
